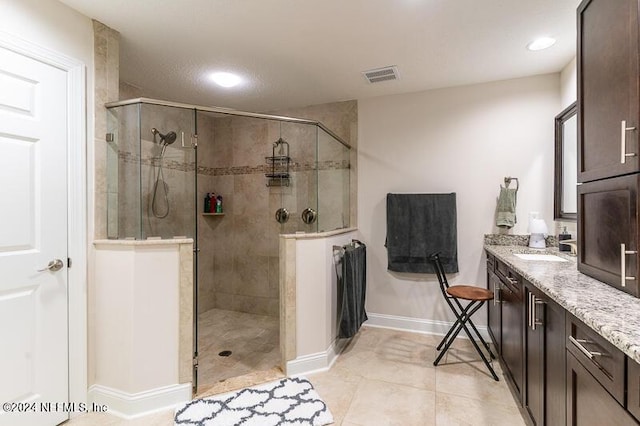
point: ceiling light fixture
(541, 43)
(226, 79)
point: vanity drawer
(633, 388)
(510, 278)
(490, 262)
(604, 361)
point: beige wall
(568, 84)
(54, 26)
(463, 140)
(568, 95)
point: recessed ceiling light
(541, 43)
(226, 79)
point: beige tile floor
(253, 340)
(387, 377)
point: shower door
(300, 197)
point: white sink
(542, 257)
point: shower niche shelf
(212, 214)
(279, 173)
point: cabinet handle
(496, 295)
(623, 265)
(512, 281)
(578, 344)
(529, 308)
(623, 141)
(534, 316)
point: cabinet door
(544, 359)
(512, 333)
(534, 358)
(555, 363)
(633, 388)
(607, 63)
(607, 226)
(493, 310)
(588, 403)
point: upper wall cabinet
(608, 92)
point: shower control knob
(282, 215)
(309, 215)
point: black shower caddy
(279, 174)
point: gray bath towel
(506, 216)
(419, 225)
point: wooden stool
(452, 294)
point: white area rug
(291, 401)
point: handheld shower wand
(165, 140)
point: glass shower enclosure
(273, 175)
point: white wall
(316, 302)
(568, 95)
(568, 84)
(463, 140)
(54, 26)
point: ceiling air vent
(381, 74)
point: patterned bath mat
(291, 401)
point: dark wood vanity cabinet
(633, 388)
(494, 310)
(505, 318)
(595, 378)
(608, 231)
(562, 371)
(512, 302)
(608, 89)
(544, 359)
(588, 403)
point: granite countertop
(615, 315)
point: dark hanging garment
(352, 287)
(419, 225)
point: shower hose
(160, 177)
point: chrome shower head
(165, 140)
(169, 138)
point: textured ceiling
(303, 52)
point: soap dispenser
(564, 235)
(538, 230)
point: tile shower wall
(106, 72)
(342, 119)
(238, 259)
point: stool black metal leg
(453, 327)
(473, 341)
(463, 319)
(484, 343)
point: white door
(33, 232)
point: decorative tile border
(132, 158)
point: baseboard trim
(133, 405)
(318, 362)
(416, 325)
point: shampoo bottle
(207, 203)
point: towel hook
(507, 182)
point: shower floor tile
(252, 340)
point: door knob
(53, 266)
